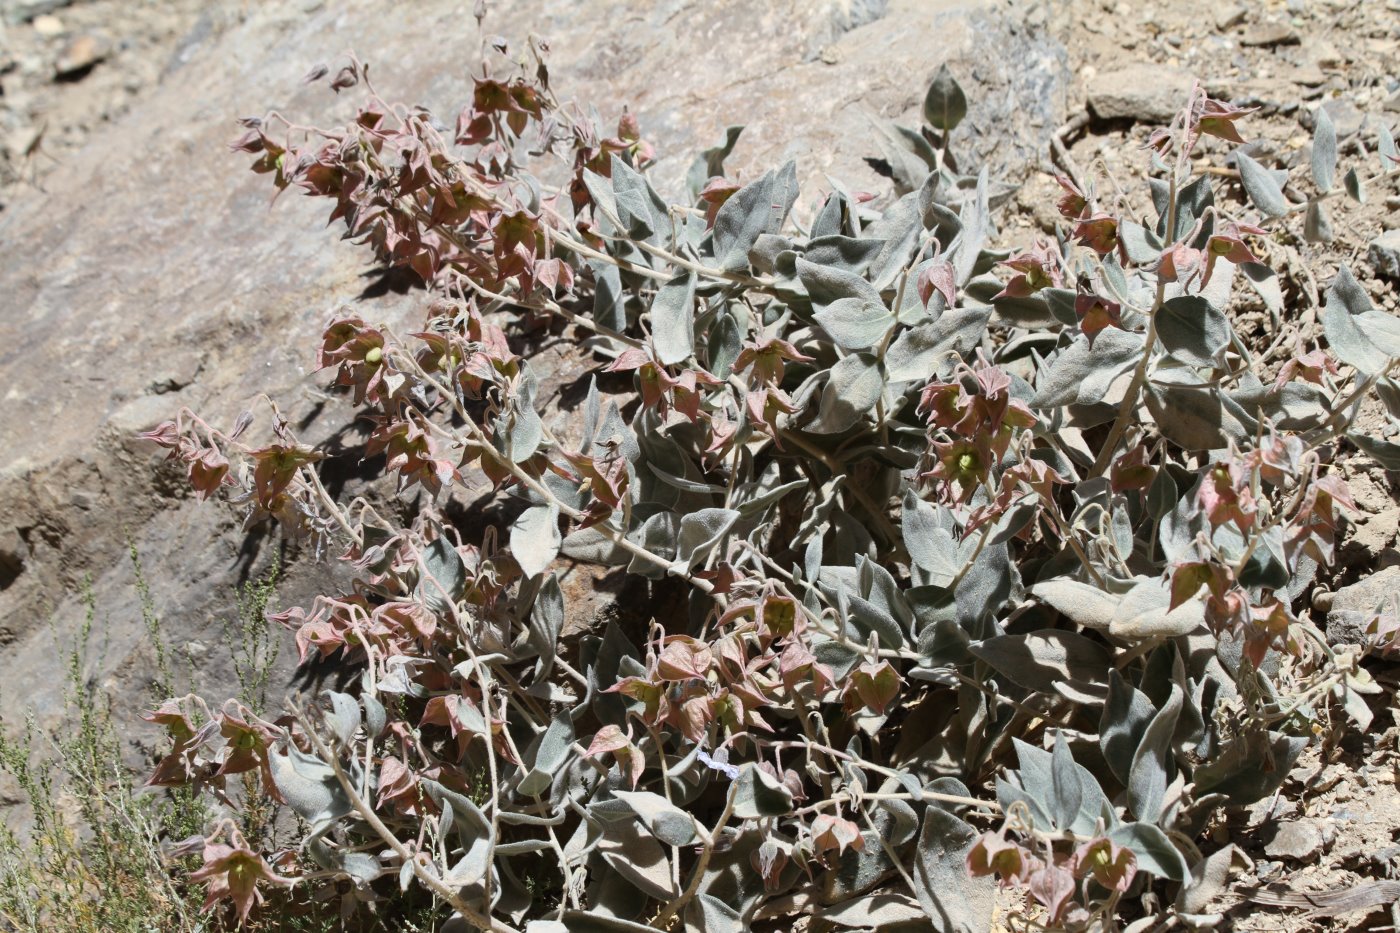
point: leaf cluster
(992, 562)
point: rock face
(152, 275)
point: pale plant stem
(478, 438)
(485, 685)
(550, 307)
(666, 789)
(1328, 195)
(890, 853)
(697, 874)
(1130, 398)
(366, 812)
(877, 514)
(808, 744)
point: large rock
(154, 275)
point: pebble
(1270, 34)
(1299, 840)
(1322, 53)
(82, 54)
(1355, 605)
(1384, 254)
(1144, 92)
(1230, 16)
(48, 25)
(1387, 861)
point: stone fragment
(19, 11)
(1298, 840)
(48, 25)
(1322, 53)
(1144, 92)
(1230, 15)
(1384, 254)
(1354, 606)
(1269, 34)
(81, 55)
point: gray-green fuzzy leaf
(854, 386)
(855, 323)
(1324, 151)
(1050, 661)
(535, 538)
(759, 207)
(1356, 332)
(444, 578)
(1155, 852)
(699, 533)
(1152, 762)
(1193, 330)
(952, 899)
(945, 104)
(1263, 189)
(667, 822)
(673, 319)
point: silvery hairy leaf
(710, 163)
(1193, 330)
(1151, 769)
(1355, 188)
(953, 900)
(535, 538)
(852, 389)
(444, 578)
(547, 755)
(1154, 850)
(1126, 715)
(855, 323)
(343, 716)
(933, 350)
(758, 794)
(1066, 792)
(309, 786)
(547, 623)
(1317, 225)
(1263, 188)
(1356, 332)
(759, 207)
(641, 210)
(666, 822)
(1034, 779)
(1050, 661)
(699, 533)
(473, 833)
(1324, 151)
(673, 319)
(1081, 372)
